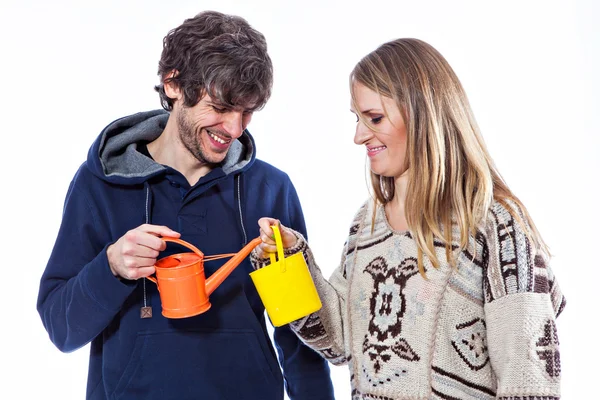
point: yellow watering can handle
(279, 244)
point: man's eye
(220, 110)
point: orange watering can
(181, 282)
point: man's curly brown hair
(219, 55)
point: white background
(529, 67)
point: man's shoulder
(262, 169)
(84, 174)
(85, 179)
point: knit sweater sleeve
(522, 301)
(325, 330)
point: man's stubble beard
(190, 138)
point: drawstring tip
(146, 312)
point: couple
(443, 290)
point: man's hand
(268, 239)
(133, 256)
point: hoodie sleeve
(78, 294)
(306, 373)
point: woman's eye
(376, 120)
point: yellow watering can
(285, 286)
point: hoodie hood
(115, 158)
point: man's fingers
(147, 240)
(158, 230)
(141, 272)
(147, 252)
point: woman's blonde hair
(451, 176)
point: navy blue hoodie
(224, 353)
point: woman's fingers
(267, 238)
(267, 235)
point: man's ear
(172, 89)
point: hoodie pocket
(217, 364)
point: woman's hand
(268, 239)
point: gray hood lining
(120, 157)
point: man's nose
(233, 123)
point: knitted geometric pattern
(483, 330)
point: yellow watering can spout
(285, 286)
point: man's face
(208, 129)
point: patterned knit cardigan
(483, 330)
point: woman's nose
(363, 133)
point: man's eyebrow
(217, 103)
(248, 108)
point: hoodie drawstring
(145, 311)
(239, 202)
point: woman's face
(386, 145)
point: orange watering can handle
(279, 244)
(183, 243)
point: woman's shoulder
(503, 209)
(505, 215)
(516, 264)
(508, 234)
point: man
(190, 172)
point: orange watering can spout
(219, 275)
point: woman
(443, 291)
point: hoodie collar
(114, 156)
